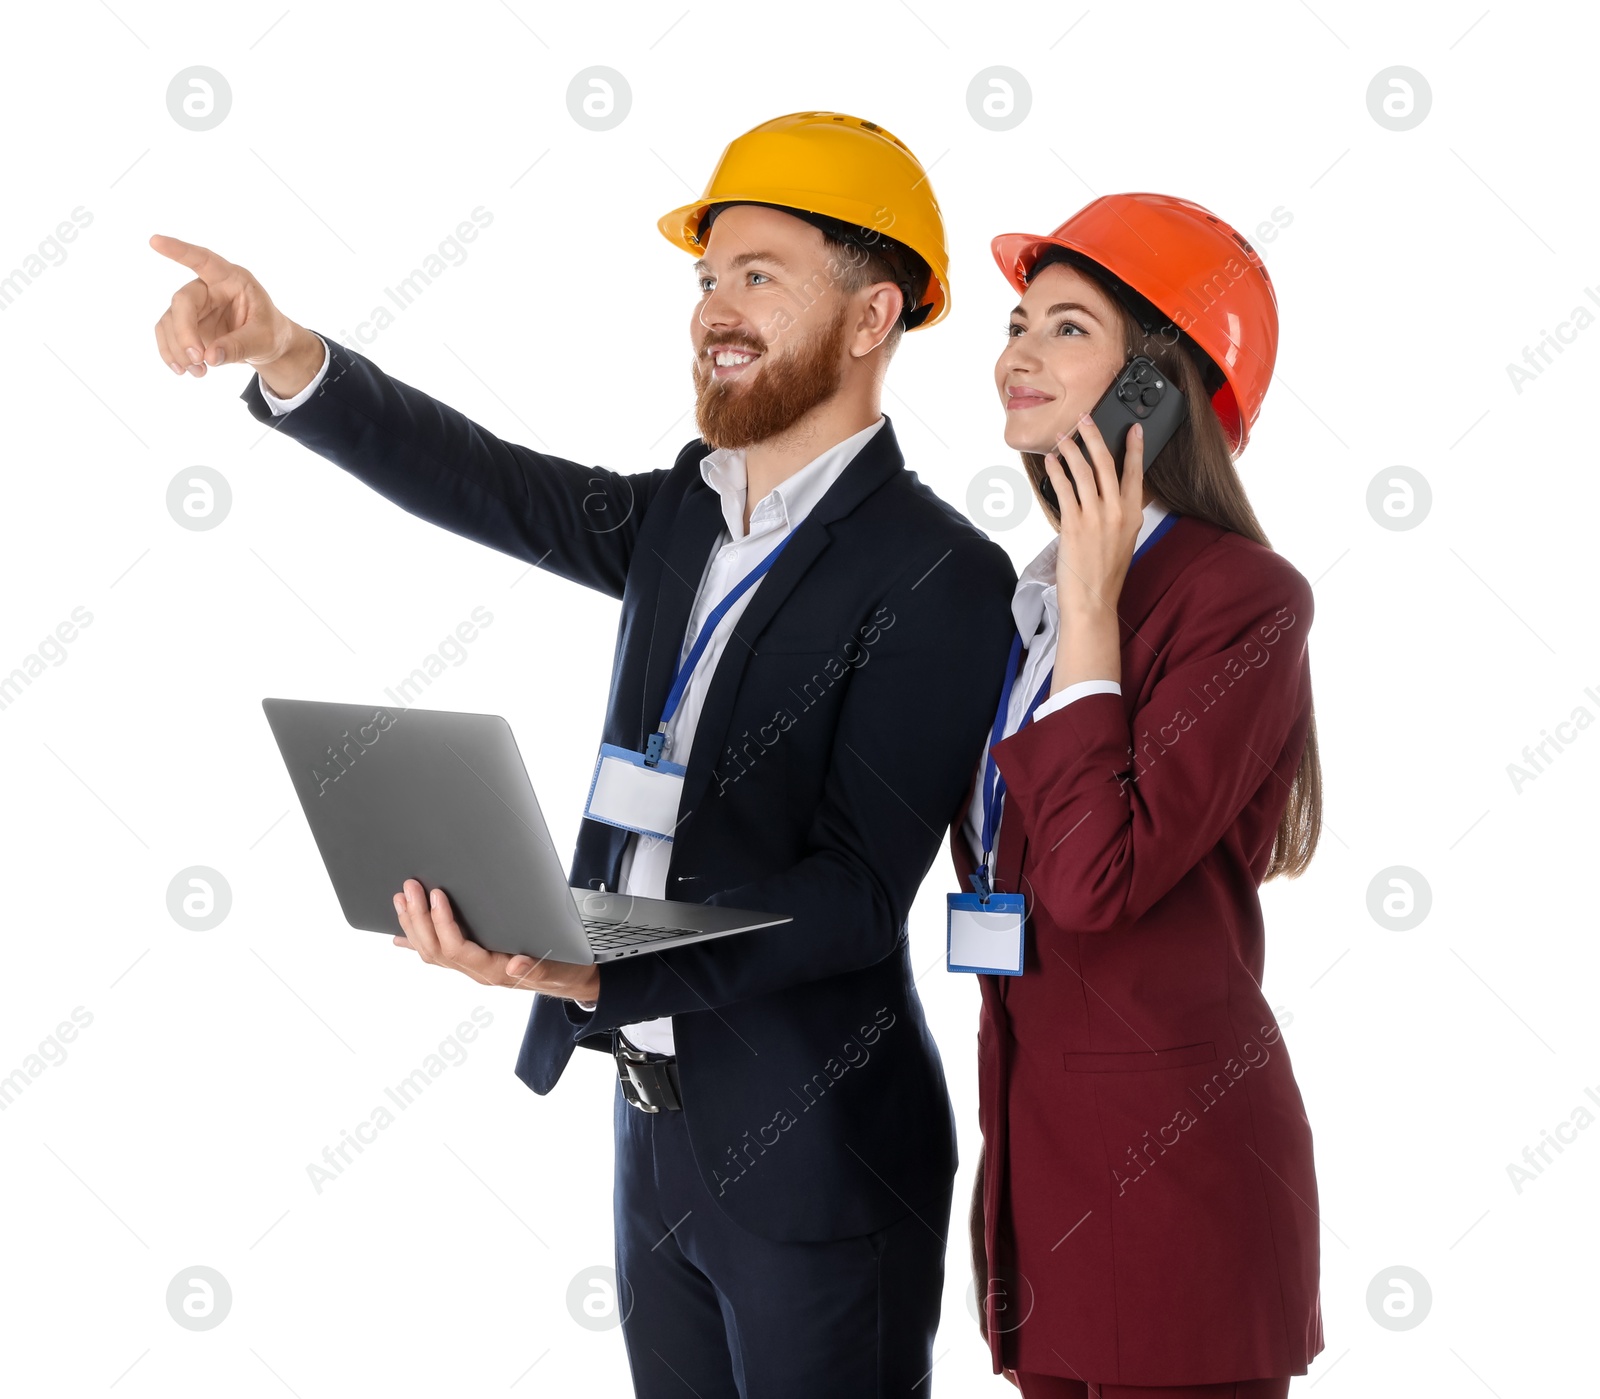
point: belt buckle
(630, 1088)
(634, 1088)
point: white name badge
(985, 937)
(625, 792)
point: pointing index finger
(210, 267)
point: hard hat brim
(681, 225)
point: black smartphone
(1142, 393)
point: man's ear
(880, 313)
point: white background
(1415, 266)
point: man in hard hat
(784, 1141)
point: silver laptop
(393, 794)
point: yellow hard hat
(839, 167)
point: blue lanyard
(994, 785)
(685, 671)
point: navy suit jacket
(839, 734)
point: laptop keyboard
(604, 935)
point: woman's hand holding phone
(1100, 522)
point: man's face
(772, 329)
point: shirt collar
(1035, 598)
(789, 502)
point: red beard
(785, 388)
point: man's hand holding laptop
(431, 931)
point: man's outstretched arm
(580, 522)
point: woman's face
(1063, 348)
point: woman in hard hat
(1145, 1216)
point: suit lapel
(682, 563)
(1153, 575)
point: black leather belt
(649, 1081)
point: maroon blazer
(1150, 1202)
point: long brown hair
(1194, 475)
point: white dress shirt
(735, 552)
(1035, 610)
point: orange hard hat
(1196, 270)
